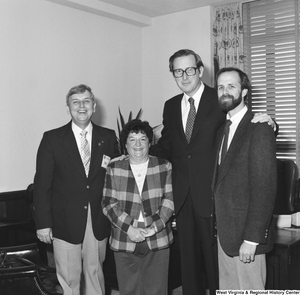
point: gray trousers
(236, 275)
(87, 258)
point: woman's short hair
(136, 126)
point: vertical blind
(271, 46)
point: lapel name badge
(105, 161)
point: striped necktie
(85, 152)
(190, 120)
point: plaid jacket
(122, 203)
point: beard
(227, 102)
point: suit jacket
(122, 203)
(61, 189)
(245, 188)
(192, 163)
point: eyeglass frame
(184, 71)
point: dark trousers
(199, 260)
(143, 274)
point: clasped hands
(137, 234)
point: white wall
(189, 29)
(46, 49)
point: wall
(189, 29)
(46, 49)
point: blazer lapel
(149, 179)
(178, 117)
(68, 142)
(235, 145)
(203, 110)
(131, 183)
(216, 165)
(98, 144)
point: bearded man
(244, 187)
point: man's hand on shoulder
(264, 118)
(120, 158)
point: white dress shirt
(139, 171)
(185, 105)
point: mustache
(227, 96)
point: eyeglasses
(188, 71)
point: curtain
(228, 36)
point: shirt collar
(196, 96)
(238, 116)
(77, 130)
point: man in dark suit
(68, 185)
(192, 154)
(245, 183)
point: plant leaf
(139, 114)
(121, 126)
(129, 117)
(121, 118)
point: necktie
(190, 120)
(225, 141)
(85, 152)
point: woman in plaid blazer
(138, 201)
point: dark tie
(225, 141)
(190, 120)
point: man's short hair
(185, 52)
(244, 80)
(79, 89)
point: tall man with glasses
(191, 120)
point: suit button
(87, 186)
(85, 207)
(189, 156)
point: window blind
(271, 46)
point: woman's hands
(138, 235)
(150, 232)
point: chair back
(287, 187)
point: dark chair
(282, 261)
(23, 264)
(22, 272)
(44, 248)
(287, 198)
